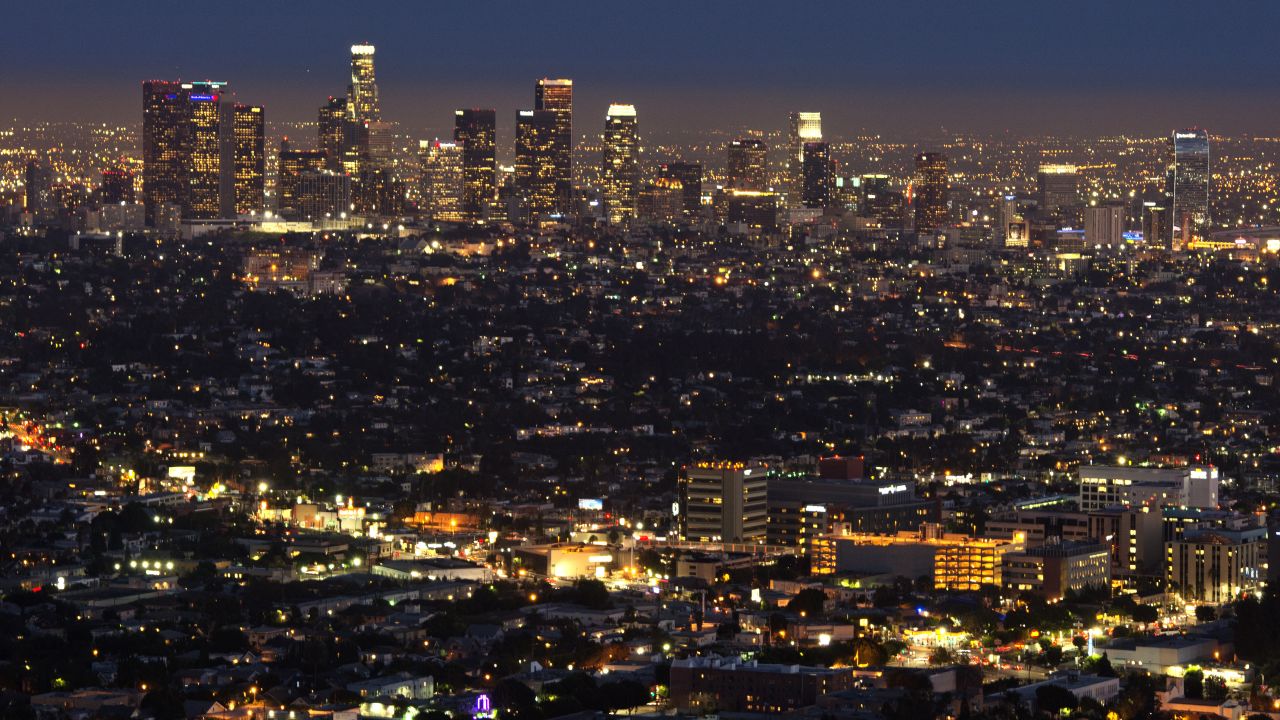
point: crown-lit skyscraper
(817, 175)
(556, 95)
(620, 172)
(250, 159)
(537, 177)
(475, 130)
(748, 164)
(1189, 186)
(802, 127)
(929, 192)
(362, 93)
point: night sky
(889, 67)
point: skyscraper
(476, 131)
(163, 128)
(1059, 188)
(817, 175)
(250, 159)
(38, 189)
(208, 151)
(537, 169)
(689, 175)
(620, 171)
(556, 95)
(117, 186)
(292, 165)
(748, 164)
(803, 127)
(362, 93)
(332, 116)
(1189, 186)
(1104, 225)
(929, 192)
(443, 180)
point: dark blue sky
(889, 66)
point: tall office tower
(292, 164)
(1059, 188)
(332, 116)
(661, 201)
(557, 96)
(817, 174)
(117, 187)
(723, 502)
(163, 128)
(377, 191)
(880, 201)
(250, 159)
(804, 127)
(38, 189)
(208, 151)
(689, 175)
(476, 131)
(1155, 225)
(1104, 225)
(362, 93)
(443, 180)
(1190, 186)
(620, 172)
(930, 192)
(748, 164)
(537, 172)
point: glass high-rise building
(537, 170)
(250, 159)
(209, 151)
(556, 95)
(748, 164)
(802, 127)
(362, 93)
(689, 175)
(1058, 187)
(1189, 186)
(476, 131)
(620, 171)
(333, 115)
(163, 129)
(929, 192)
(817, 174)
(443, 180)
(292, 165)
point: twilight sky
(888, 66)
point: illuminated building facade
(723, 502)
(537, 169)
(38, 189)
(1055, 569)
(1058, 189)
(332, 117)
(1217, 565)
(689, 175)
(802, 127)
(661, 201)
(748, 164)
(930, 192)
(322, 194)
(620, 171)
(556, 96)
(250, 159)
(443, 180)
(208, 152)
(817, 174)
(955, 562)
(362, 93)
(1189, 186)
(1104, 225)
(292, 164)
(475, 130)
(163, 129)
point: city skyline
(913, 68)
